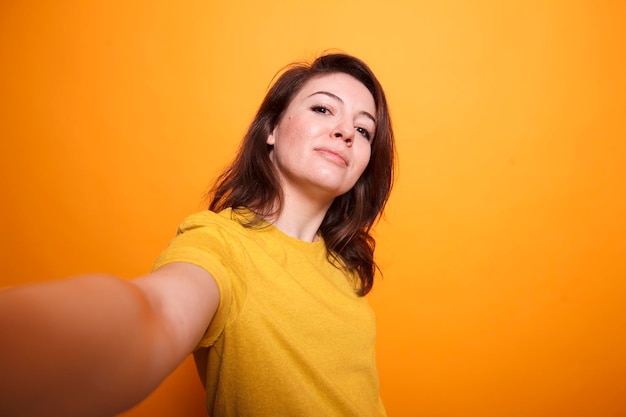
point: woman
(265, 288)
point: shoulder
(208, 227)
(207, 236)
(224, 219)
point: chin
(334, 192)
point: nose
(344, 130)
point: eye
(364, 132)
(320, 109)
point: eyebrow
(336, 97)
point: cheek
(365, 153)
(290, 131)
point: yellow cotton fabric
(290, 336)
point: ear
(270, 138)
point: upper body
(314, 173)
(291, 336)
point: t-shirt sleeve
(202, 241)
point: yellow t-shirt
(290, 336)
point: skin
(97, 345)
(321, 146)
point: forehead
(344, 86)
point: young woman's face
(321, 145)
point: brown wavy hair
(251, 182)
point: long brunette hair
(251, 182)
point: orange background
(504, 246)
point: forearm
(86, 347)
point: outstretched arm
(97, 345)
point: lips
(334, 156)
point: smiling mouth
(333, 157)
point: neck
(300, 218)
